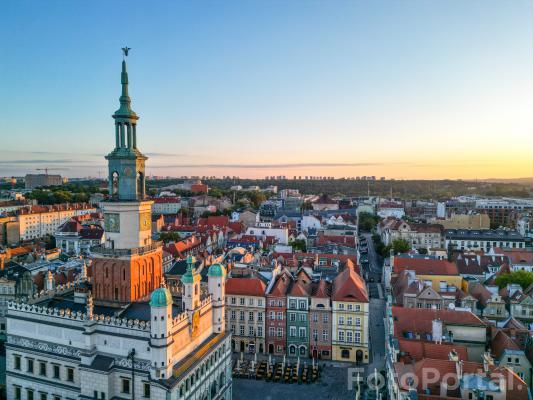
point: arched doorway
(242, 346)
(315, 353)
(292, 349)
(233, 345)
(214, 389)
(270, 348)
(261, 351)
(359, 356)
(302, 350)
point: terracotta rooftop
(349, 286)
(245, 287)
(425, 266)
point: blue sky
(403, 89)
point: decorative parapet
(46, 347)
(184, 316)
(140, 365)
(79, 316)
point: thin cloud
(266, 166)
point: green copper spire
(125, 110)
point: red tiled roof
(348, 286)
(416, 350)
(322, 289)
(420, 320)
(282, 285)
(167, 199)
(423, 266)
(245, 287)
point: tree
(521, 277)
(367, 221)
(398, 246)
(169, 236)
(299, 244)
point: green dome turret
(216, 271)
(160, 297)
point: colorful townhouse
(276, 307)
(245, 314)
(320, 320)
(350, 318)
(298, 300)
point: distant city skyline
(405, 90)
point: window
(125, 386)
(358, 322)
(341, 336)
(292, 304)
(43, 396)
(241, 301)
(302, 332)
(357, 337)
(325, 318)
(250, 302)
(70, 374)
(42, 368)
(56, 371)
(357, 307)
(315, 335)
(280, 332)
(233, 314)
(241, 330)
(341, 306)
(349, 320)
(349, 336)
(292, 317)
(271, 331)
(251, 316)
(260, 302)
(29, 394)
(292, 331)
(146, 390)
(260, 331)
(303, 317)
(302, 305)
(315, 317)
(233, 300)
(250, 331)
(350, 307)
(18, 394)
(272, 315)
(233, 329)
(280, 316)
(260, 316)
(30, 366)
(325, 335)
(241, 316)
(341, 320)
(16, 362)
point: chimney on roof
(453, 356)
(488, 362)
(436, 331)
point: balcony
(138, 251)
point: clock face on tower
(112, 222)
(128, 171)
(145, 221)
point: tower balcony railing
(106, 251)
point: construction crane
(48, 169)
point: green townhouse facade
(298, 300)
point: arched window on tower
(114, 184)
(140, 185)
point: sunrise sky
(402, 89)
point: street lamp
(131, 355)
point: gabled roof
(416, 350)
(282, 284)
(501, 342)
(348, 286)
(425, 266)
(322, 289)
(420, 320)
(245, 287)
